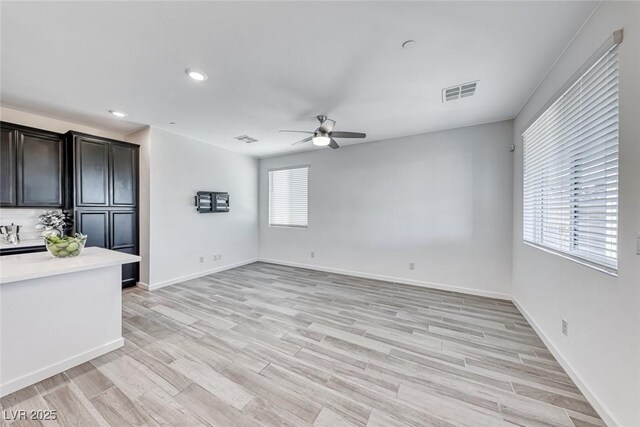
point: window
(288, 197)
(570, 168)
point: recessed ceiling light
(119, 114)
(172, 123)
(409, 44)
(197, 75)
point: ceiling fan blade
(333, 144)
(327, 125)
(307, 139)
(295, 131)
(339, 134)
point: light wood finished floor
(278, 346)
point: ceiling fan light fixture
(118, 114)
(196, 74)
(321, 140)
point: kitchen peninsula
(57, 313)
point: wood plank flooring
(267, 345)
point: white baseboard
(48, 371)
(153, 286)
(422, 284)
(604, 413)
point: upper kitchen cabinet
(91, 168)
(33, 169)
(40, 168)
(105, 171)
(7, 167)
(124, 176)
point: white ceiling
(276, 65)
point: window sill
(287, 226)
(606, 270)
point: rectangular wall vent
(246, 139)
(460, 91)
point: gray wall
(179, 236)
(441, 200)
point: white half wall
(440, 200)
(178, 235)
(602, 351)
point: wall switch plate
(412, 266)
(201, 260)
(638, 244)
(565, 327)
(312, 254)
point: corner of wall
(142, 137)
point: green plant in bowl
(65, 246)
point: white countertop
(15, 268)
(23, 244)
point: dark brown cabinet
(124, 229)
(95, 178)
(124, 181)
(40, 168)
(7, 167)
(33, 167)
(91, 171)
(95, 225)
(112, 229)
(105, 175)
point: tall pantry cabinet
(105, 195)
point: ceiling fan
(324, 135)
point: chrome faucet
(10, 233)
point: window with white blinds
(571, 170)
(289, 197)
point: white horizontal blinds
(288, 197)
(571, 169)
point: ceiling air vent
(246, 139)
(460, 91)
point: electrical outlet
(201, 260)
(216, 257)
(312, 254)
(412, 266)
(565, 327)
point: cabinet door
(92, 172)
(40, 168)
(124, 175)
(95, 224)
(7, 168)
(124, 229)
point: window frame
(303, 166)
(573, 205)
